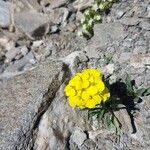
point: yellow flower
(85, 84)
(105, 95)
(85, 95)
(100, 85)
(87, 90)
(90, 103)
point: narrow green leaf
(130, 90)
(112, 128)
(147, 92)
(100, 115)
(140, 92)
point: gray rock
(11, 54)
(33, 24)
(82, 5)
(19, 66)
(124, 57)
(37, 43)
(24, 99)
(59, 16)
(54, 29)
(110, 32)
(59, 121)
(145, 25)
(58, 3)
(119, 14)
(140, 60)
(4, 14)
(78, 137)
(130, 21)
(148, 11)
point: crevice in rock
(47, 100)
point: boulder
(33, 24)
(24, 99)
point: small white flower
(90, 22)
(101, 6)
(87, 12)
(95, 7)
(97, 17)
(80, 33)
(84, 27)
(82, 20)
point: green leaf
(130, 90)
(100, 115)
(117, 125)
(112, 128)
(143, 92)
(140, 92)
(136, 99)
(147, 92)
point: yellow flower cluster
(86, 89)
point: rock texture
(33, 24)
(5, 11)
(24, 99)
(39, 53)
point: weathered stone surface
(24, 99)
(145, 25)
(103, 35)
(130, 21)
(59, 16)
(59, 121)
(140, 60)
(81, 5)
(78, 137)
(58, 3)
(4, 14)
(32, 23)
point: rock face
(104, 34)
(23, 100)
(58, 3)
(4, 14)
(33, 24)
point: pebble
(119, 14)
(4, 14)
(82, 5)
(130, 21)
(78, 137)
(145, 25)
(37, 43)
(11, 54)
(54, 29)
(57, 3)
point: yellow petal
(85, 75)
(105, 95)
(85, 95)
(97, 99)
(81, 104)
(92, 90)
(90, 103)
(70, 92)
(85, 84)
(100, 86)
(72, 101)
(79, 92)
(78, 86)
(91, 79)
